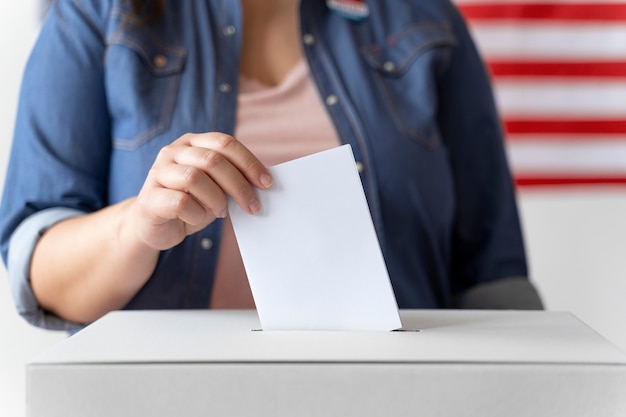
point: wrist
(128, 237)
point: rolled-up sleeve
(60, 155)
(21, 247)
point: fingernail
(223, 214)
(255, 206)
(266, 180)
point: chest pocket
(142, 80)
(406, 68)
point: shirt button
(225, 87)
(389, 66)
(360, 167)
(331, 100)
(159, 61)
(206, 243)
(229, 30)
(308, 39)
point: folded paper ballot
(311, 255)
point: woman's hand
(188, 185)
(88, 265)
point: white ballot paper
(311, 255)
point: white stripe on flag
(576, 158)
(550, 41)
(549, 99)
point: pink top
(277, 124)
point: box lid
(444, 336)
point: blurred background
(559, 71)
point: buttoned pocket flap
(397, 52)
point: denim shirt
(405, 88)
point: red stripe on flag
(555, 11)
(568, 127)
(522, 181)
(611, 69)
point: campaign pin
(355, 10)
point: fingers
(190, 186)
(210, 167)
(237, 154)
(167, 204)
(211, 172)
(166, 216)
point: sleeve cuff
(21, 247)
(514, 293)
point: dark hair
(142, 10)
(147, 9)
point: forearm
(86, 266)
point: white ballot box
(218, 363)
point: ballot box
(220, 363)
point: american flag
(559, 74)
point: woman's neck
(271, 46)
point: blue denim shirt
(405, 87)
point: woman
(138, 119)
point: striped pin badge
(355, 10)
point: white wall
(576, 243)
(18, 341)
(576, 239)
